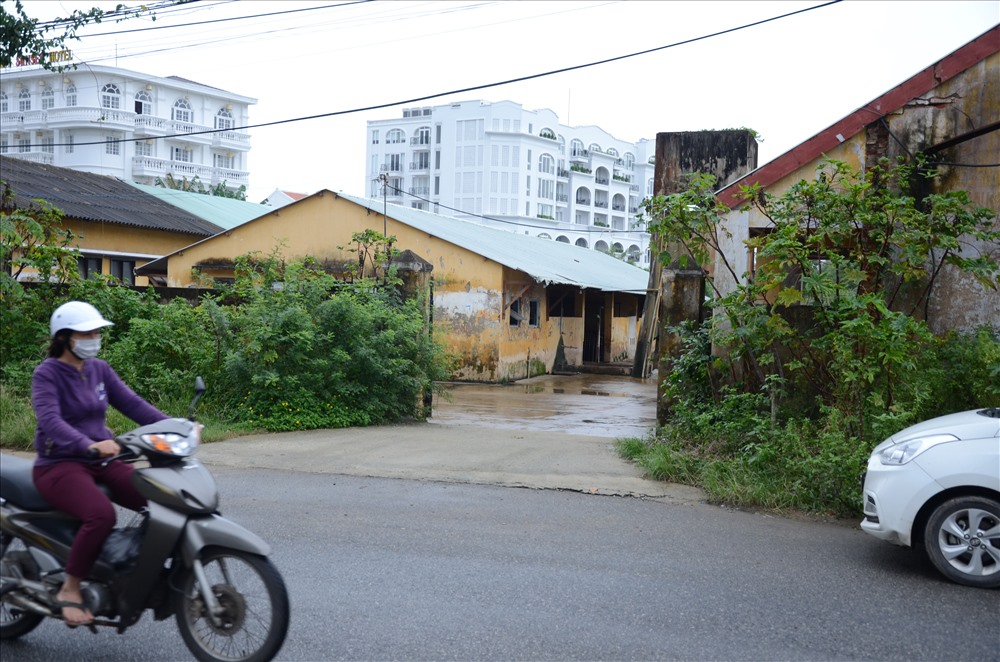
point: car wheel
(962, 540)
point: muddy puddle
(596, 405)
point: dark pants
(72, 488)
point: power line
(231, 18)
(472, 88)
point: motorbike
(180, 557)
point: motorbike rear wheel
(14, 621)
(255, 615)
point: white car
(936, 486)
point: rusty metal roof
(97, 198)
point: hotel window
(143, 103)
(181, 154)
(47, 144)
(3, 102)
(112, 146)
(68, 143)
(225, 161)
(395, 136)
(181, 112)
(3, 145)
(374, 136)
(111, 97)
(70, 93)
(48, 98)
(24, 100)
(24, 145)
(224, 119)
(143, 148)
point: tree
(195, 185)
(841, 275)
(27, 40)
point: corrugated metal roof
(227, 213)
(545, 260)
(89, 197)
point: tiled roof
(99, 198)
(944, 69)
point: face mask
(86, 348)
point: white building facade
(111, 121)
(520, 170)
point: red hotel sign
(53, 57)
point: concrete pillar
(728, 155)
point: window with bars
(123, 270)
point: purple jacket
(70, 408)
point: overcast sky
(787, 79)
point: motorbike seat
(17, 485)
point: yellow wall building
(507, 305)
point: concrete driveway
(550, 432)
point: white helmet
(77, 316)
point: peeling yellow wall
(471, 293)
(966, 102)
(125, 242)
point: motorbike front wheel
(255, 612)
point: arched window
(24, 100)
(612, 151)
(181, 112)
(70, 92)
(581, 242)
(576, 148)
(632, 255)
(544, 235)
(395, 136)
(48, 98)
(649, 186)
(423, 136)
(601, 246)
(546, 164)
(562, 239)
(583, 196)
(111, 97)
(618, 248)
(143, 103)
(594, 147)
(224, 119)
(629, 160)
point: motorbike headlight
(171, 443)
(903, 452)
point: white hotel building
(111, 121)
(520, 170)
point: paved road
(451, 564)
(388, 569)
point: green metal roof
(227, 213)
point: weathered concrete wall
(956, 123)
(472, 295)
(958, 108)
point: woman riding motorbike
(70, 393)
